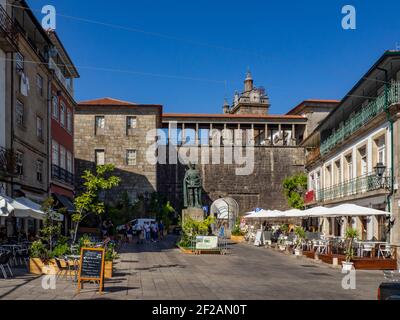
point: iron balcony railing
(60, 76)
(356, 186)
(366, 114)
(7, 162)
(62, 174)
(7, 26)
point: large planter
(347, 266)
(108, 270)
(298, 252)
(36, 266)
(237, 239)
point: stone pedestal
(196, 214)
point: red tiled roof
(304, 104)
(230, 116)
(106, 102)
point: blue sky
(296, 49)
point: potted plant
(237, 235)
(351, 234)
(300, 237)
(39, 257)
(110, 256)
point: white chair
(366, 248)
(385, 251)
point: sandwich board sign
(91, 267)
(259, 241)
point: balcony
(361, 118)
(7, 162)
(354, 187)
(62, 175)
(8, 32)
(57, 71)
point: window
(100, 157)
(55, 153)
(19, 61)
(69, 162)
(349, 168)
(39, 170)
(131, 123)
(19, 163)
(69, 120)
(363, 161)
(63, 155)
(19, 113)
(54, 103)
(328, 177)
(100, 124)
(39, 84)
(381, 150)
(39, 127)
(338, 173)
(131, 157)
(62, 113)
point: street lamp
(380, 169)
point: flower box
(108, 270)
(237, 238)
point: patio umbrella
(351, 210)
(294, 213)
(36, 210)
(317, 212)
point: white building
(353, 154)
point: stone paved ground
(160, 271)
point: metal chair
(4, 262)
(366, 248)
(62, 269)
(385, 251)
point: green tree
(51, 227)
(294, 188)
(88, 201)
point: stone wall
(136, 179)
(263, 188)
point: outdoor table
(75, 259)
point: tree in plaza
(294, 188)
(88, 201)
(51, 227)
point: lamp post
(380, 171)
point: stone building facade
(101, 136)
(117, 132)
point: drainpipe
(389, 118)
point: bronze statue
(192, 186)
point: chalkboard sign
(91, 266)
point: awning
(23, 208)
(66, 202)
(37, 210)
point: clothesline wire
(159, 75)
(150, 33)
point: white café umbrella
(317, 212)
(351, 210)
(294, 213)
(36, 210)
